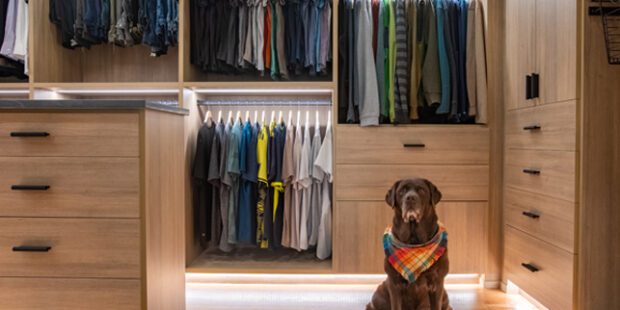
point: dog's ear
(435, 194)
(390, 197)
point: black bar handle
(532, 128)
(528, 87)
(31, 248)
(531, 214)
(531, 171)
(414, 145)
(29, 134)
(530, 267)
(535, 85)
(30, 187)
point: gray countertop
(89, 104)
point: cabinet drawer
(371, 182)
(57, 294)
(551, 220)
(358, 246)
(557, 124)
(69, 134)
(549, 173)
(552, 284)
(77, 248)
(413, 145)
(78, 187)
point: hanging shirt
(242, 32)
(203, 190)
(476, 63)
(233, 172)
(288, 172)
(297, 191)
(280, 43)
(391, 68)
(431, 88)
(275, 179)
(325, 37)
(444, 64)
(324, 163)
(219, 142)
(225, 188)
(9, 31)
(263, 186)
(381, 59)
(305, 182)
(366, 93)
(401, 92)
(247, 165)
(316, 193)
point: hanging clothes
(297, 190)
(305, 183)
(203, 189)
(263, 186)
(13, 40)
(317, 175)
(476, 63)
(324, 163)
(289, 238)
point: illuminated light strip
(512, 288)
(14, 92)
(115, 91)
(327, 279)
(263, 91)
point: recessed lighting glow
(263, 91)
(14, 92)
(115, 91)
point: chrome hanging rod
(262, 102)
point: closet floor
(221, 296)
(254, 260)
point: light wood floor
(222, 296)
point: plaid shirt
(413, 260)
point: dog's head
(413, 200)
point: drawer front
(60, 294)
(549, 173)
(78, 187)
(413, 145)
(70, 134)
(358, 244)
(552, 284)
(557, 122)
(371, 182)
(77, 248)
(551, 220)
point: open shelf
(252, 260)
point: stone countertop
(90, 104)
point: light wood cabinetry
(370, 160)
(560, 221)
(90, 214)
(520, 25)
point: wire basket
(610, 13)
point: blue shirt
(444, 66)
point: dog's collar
(411, 260)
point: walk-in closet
(226, 154)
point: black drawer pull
(531, 171)
(532, 127)
(531, 214)
(29, 134)
(31, 248)
(414, 145)
(528, 87)
(535, 85)
(530, 267)
(30, 187)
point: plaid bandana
(412, 260)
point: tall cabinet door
(520, 25)
(556, 49)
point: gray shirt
(315, 199)
(366, 92)
(233, 172)
(305, 182)
(323, 162)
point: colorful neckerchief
(413, 260)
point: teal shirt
(444, 66)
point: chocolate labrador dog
(416, 260)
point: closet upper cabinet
(556, 45)
(520, 60)
(541, 52)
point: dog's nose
(410, 198)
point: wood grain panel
(443, 145)
(71, 134)
(164, 215)
(556, 222)
(519, 49)
(556, 48)
(358, 244)
(62, 294)
(599, 270)
(557, 172)
(371, 182)
(79, 187)
(553, 284)
(80, 248)
(558, 127)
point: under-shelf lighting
(277, 91)
(116, 91)
(14, 92)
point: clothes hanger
(280, 118)
(273, 117)
(256, 116)
(298, 118)
(262, 118)
(307, 119)
(209, 118)
(329, 119)
(230, 119)
(290, 118)
(247, 116)
(238, 118)
(318, 123)
(219, 116)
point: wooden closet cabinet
(541, 48)
(561, 172)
